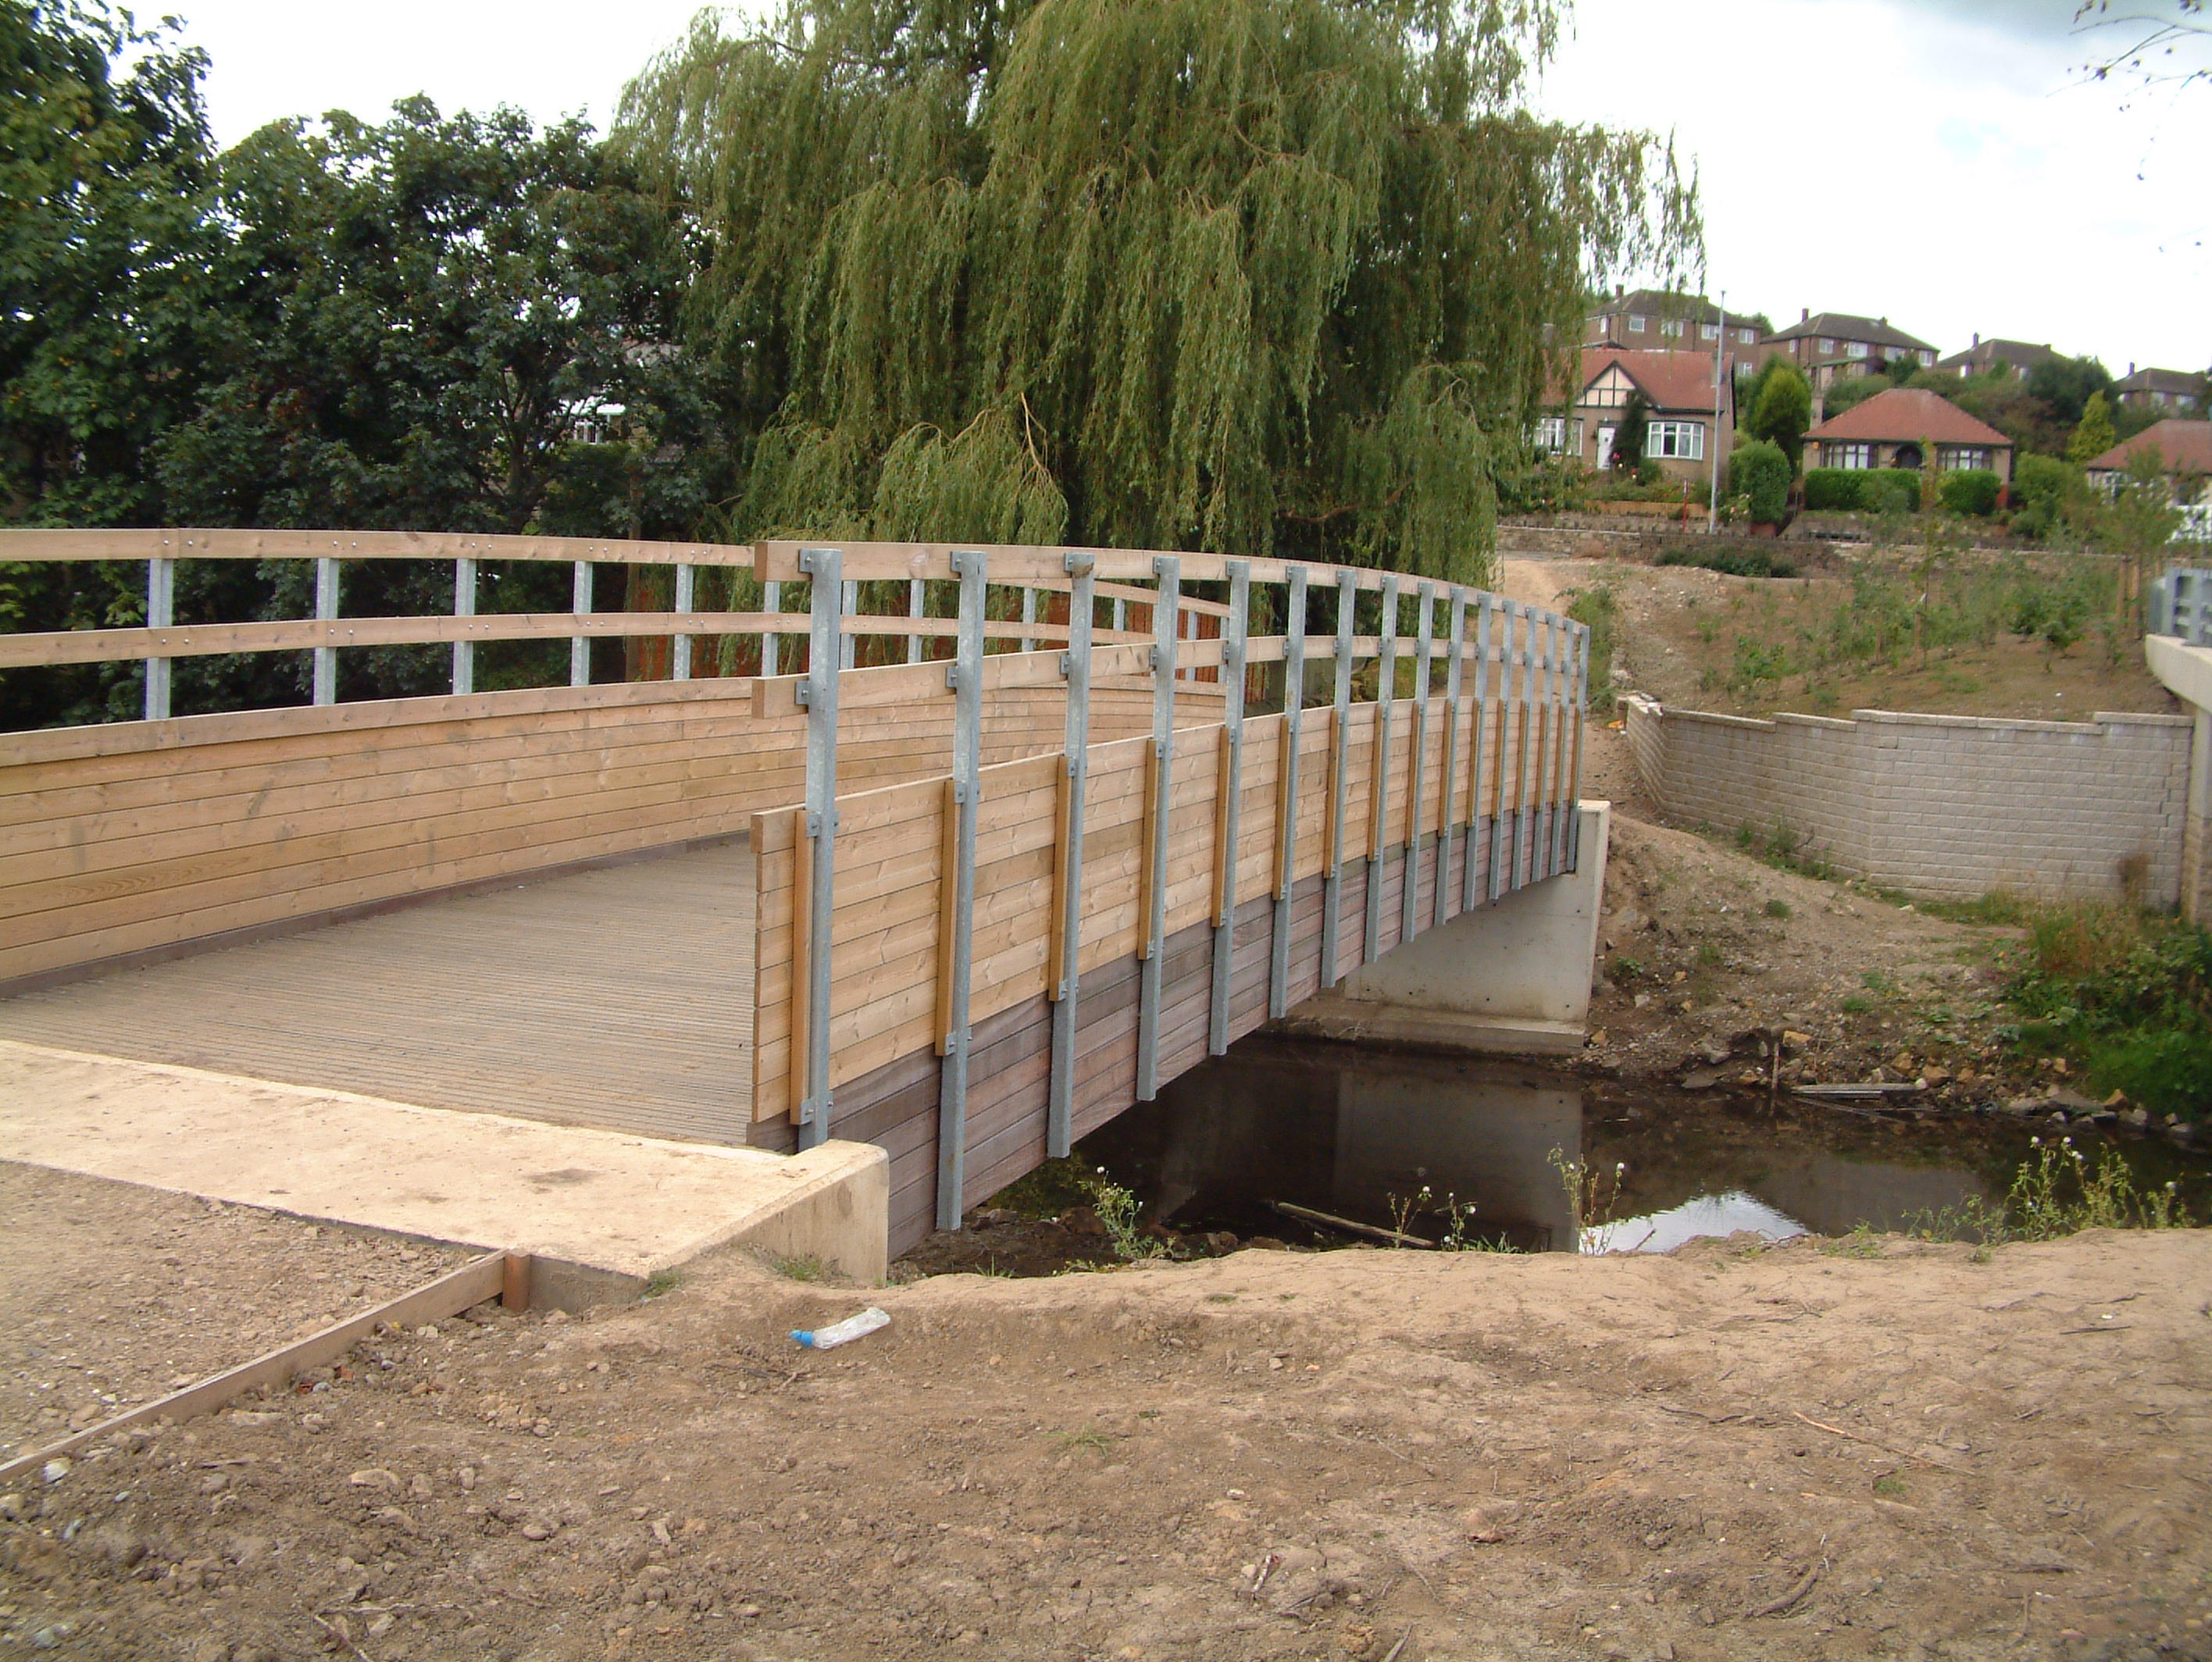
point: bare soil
(1735, 1451)
(113, 1295)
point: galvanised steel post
(1286, 866)
(849, 604)
(326, 609)
(1583, 639)
(819, 696)
(1499, 814)
(771, 603)
(160, 614)
(1386, 691)
(465, 606)
(1167, 571)
(915, 605)
(680, 651)
(1425, 653)
(1060, 1106)
(579, 646)
(965, 673)
(1332, 899)
(1448, 828)
(1524, 779)
(1236, 631)
(1477, 841)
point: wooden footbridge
(959, 851)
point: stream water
(1359, 1133)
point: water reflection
(1361, 1133)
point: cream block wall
(1947, 806)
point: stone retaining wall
(1946, 806)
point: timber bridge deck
(1087, 826)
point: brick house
(2021, 357)
(1659, 320)
(2176, 390)
(1834, 346)
(1678, 392)
(2185, 450)
(1896, 428)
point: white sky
(1930, 160)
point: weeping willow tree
(1256, 277)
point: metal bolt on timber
(326, 610)
(819, 694)
(966, 673)
(160, 614)
(1425, 653)
(1236, 630)
(1448, 828)
(1068, 969)
(1287, 829)
(1386, 692)
(1339, 740)
(679, 650)
(1167, 572)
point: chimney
(1978, 338)
(1804, 314)
(1620, 291)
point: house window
(1927, 360)
(1635, 323)
(1744, 336)
(1604, 323)
(1859, 348)
(1551, 435)
(1670, 326)
(1963, 456)
(1827, 346)
(1846, 455)
(1679, 441)
(1709, 332)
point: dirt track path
(1731, 1453)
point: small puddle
(1360, 1133)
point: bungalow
(1678, 397)
(2184, 453)
(1897, 428)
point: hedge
(1761, 472)
(1860, 490)
(1970, 490)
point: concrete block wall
(1946, 806)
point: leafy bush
(1864, 490)
(1731, 562)
(1760, 471)
(1890, 490)
(2129, 993)
(1970, 491)
(2047, 492)
(1597, 609)
(1832, 490)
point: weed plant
(2056, 1192)
(1593, 1194)
(2128, 992)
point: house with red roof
(1678, 397)
(2184, 455)
(1900, 428)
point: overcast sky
(1930, 160)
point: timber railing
(1092, 828)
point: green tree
(1761, 472)
(2067, 385)
(2049, 494)
(1634, 433)
(1259, 276)
(2094, 435)
(1784, 414)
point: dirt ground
(111, 1294)
(1804, 1452)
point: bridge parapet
(1034, 829)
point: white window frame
(1855, 458)
(1675, 441)
(1635, 323)
(1747, 335)
(1671, 327)
(1927, 360)
(1709, 332)
(1856, 348)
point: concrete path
(611, 1208)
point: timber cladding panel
(1948, 806)
(139, 837)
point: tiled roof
(1841, 326)
(2178, 382)
(1670, 380)
(2021, 354)
(1906, 414)
(2184, 446)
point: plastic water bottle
(844, 1332)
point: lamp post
(1720, 344)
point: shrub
(1890, 490)
(1970, 491)
(2128, 991)
(1760, 471)
(2045, 491)
(1832, 490)
(1730, 562)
